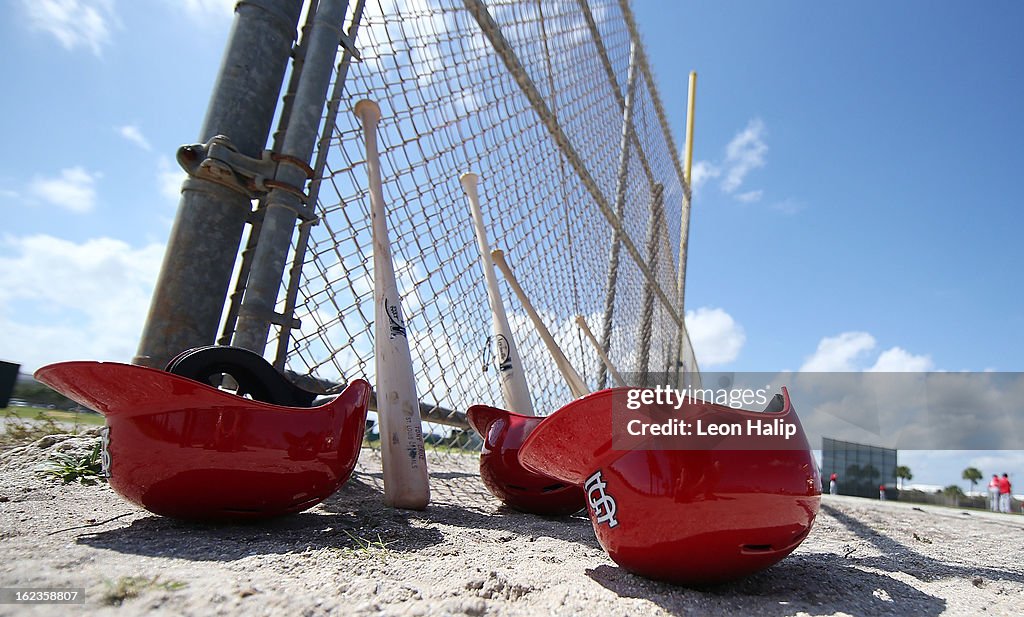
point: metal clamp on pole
(348, 43)
(219, 161)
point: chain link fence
(532, 96)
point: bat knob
(367, 111)
(469, 180)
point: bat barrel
(514, 388)
(406, 483)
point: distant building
(8, 375)
(860, 468)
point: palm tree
(972, 475)
(903, 473)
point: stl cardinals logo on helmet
(105, 451)
(601, 503)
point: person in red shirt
(993, 493)
(833, 484)
(1004, 493)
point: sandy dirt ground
(468, 555)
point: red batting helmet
(185, 449)
(689, 516)
(503, 433)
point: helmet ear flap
(254, 376)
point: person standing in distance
(1004, 494)
(993, 493)
(833, 484)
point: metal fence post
(188, 298)
(620, 212)
(654, 221)
(286, 201)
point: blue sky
(857, 175)
(876, 219)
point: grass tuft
(363, 548)
(133, 586)
(86, 469)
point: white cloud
(203, 10)
(839, 353)
(716, 337)
(745, 153)
(702, 172)
(64, 300)
(74, 189)
(134, 134)
(750, 196)
(169, 178)
(898, 360)
(787, 206)
(851, 351)
(74, 23)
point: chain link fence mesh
(451, 105)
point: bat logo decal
(397, 324)
(601, 503)
(504, 355)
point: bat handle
(581, 321)
(576, 384)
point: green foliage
(86, 469)
(58, 415)
(18, 432)
(366, 549)
(953, 492)
(972, 475)
(134, 586)
(903, 473)
(40, 394)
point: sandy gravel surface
(467, 555)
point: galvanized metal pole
(245, 264)
(286, 200)
(188, 299)
(620, 212)
(323, 147)
(654, 225)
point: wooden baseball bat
(576, 383)
(510, 365)
(406, 484)
(581, 321)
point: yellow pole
(684, 231)
(688, 152)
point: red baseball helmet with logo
(503, 433)
(718, 508)
(181, 448)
